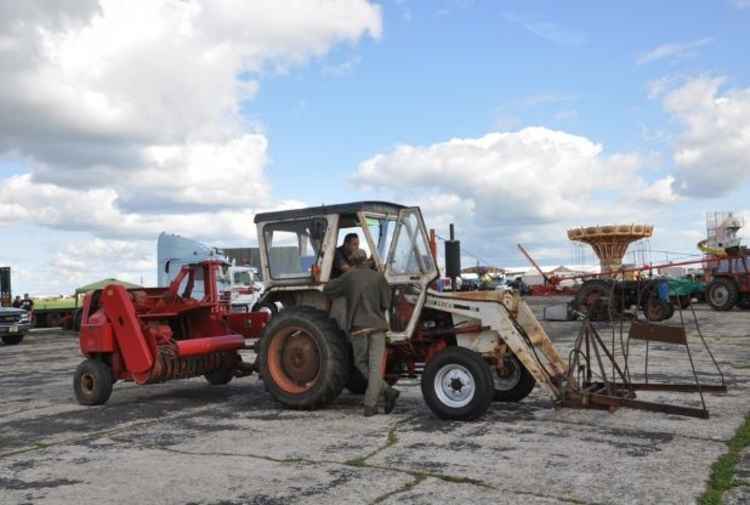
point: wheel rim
(454, 385)
(719, 295)
(87, 383)
(294, 360)
(509, 376)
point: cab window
(293, 247)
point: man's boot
(391, 395)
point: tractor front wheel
(512, 382)
(457, 384)
(722, 294)
(92, 382)
(303, 358)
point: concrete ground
(186, 442)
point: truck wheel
(14, 339)
(92, 382)
(219, 376)
(457, 384)
(303, 358)
(593, 300)
(514, 383)
(722, 294)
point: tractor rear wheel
(219, 376)
(14, 339)
(457, 384)
(92, 382)
(722, 294)
(513, 383)
(593, 299)
(304, 360)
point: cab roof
(322, 210)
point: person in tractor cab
(17, 302)
(341, 260)
(367, 296)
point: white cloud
(128, 114)
(553, 32)
(136, 106)
(534, 175)
(741, 4)
(672, 50)
(524, 187)
(712, 153)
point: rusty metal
(590, 386)
(168, 366)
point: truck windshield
(243, 278)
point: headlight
(25, 318)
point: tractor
(469, 348)
(730, 280)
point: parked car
(14, 323)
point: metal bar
(531, 260)
(705, 345)
(680, 388)
(649, 406)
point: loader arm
(505, 319)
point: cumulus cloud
(534, 175)
(712, 153)
(672, 50)
(128, 115)
(525, 186)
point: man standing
(341, 260)
(27, 303)
(367, 296)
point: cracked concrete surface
(186, 442)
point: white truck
(239, 283)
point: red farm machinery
(151, 335)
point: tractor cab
(295, 245)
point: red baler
(151, 335)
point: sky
(514, 120)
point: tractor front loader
(151, 335)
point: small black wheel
(92, 382)
(514, 382)
(219, 376)
(13, 339)
(77, 315)
(457, 384)
(722, 294)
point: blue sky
(334, 88)
(464, 72)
